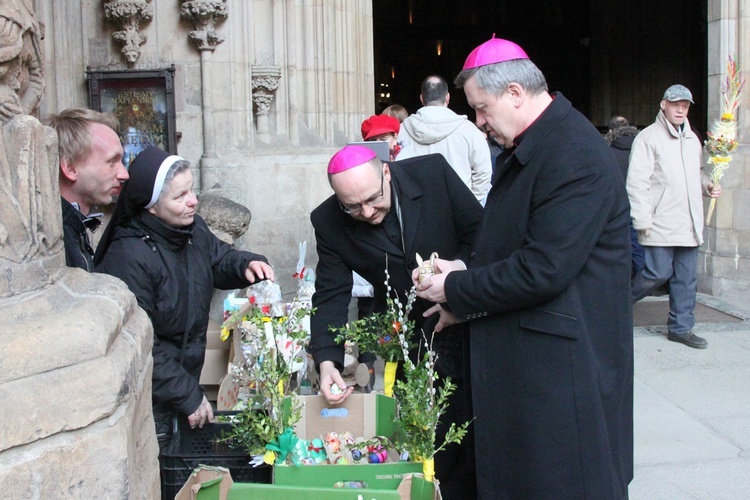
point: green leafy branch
(421, 405)
(386, 333)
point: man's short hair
(73, 134)
(434, 89)
(495, 78)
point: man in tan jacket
(665, 182)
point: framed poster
(143, 101)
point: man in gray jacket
(664, 184)
(437, 129)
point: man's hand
(440, 266)
(433, 288)
(447, 318)
(644, 232)
(714, 190)
(329, 376)
(258, 270)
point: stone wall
(323, 52)
(75, 381)
(725, 256)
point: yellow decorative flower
(224, 334)
(727, 117)
(269, 457)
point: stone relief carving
(128, 15)
(30, 212)
(204, 14)
(265, 82)
(21, 74)
(30, 219)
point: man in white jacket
(436, 129)
(665, 182)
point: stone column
(128, 15)
(75, 348)
(205, 14)
(265, 83)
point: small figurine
(426, 268)
(333, 443)
(317, 451)
(347, 438)
(301, 454)
(377, 454)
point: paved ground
(692, 410)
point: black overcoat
(548, 295)
(439, 214)
(172, 273)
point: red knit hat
(378, 125)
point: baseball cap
(378, 125)
(494, 50)
(678, 93)
(350, 157)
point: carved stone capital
(263, 102)
(205, 15)
(128, 15)
(265, 82)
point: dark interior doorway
(606, 57)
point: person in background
(165, 253)
(394, 210)
(91, 175)
(620, 138)
(665, 182)
(435, 128)
(551, 352)
(397, 111)
(383, 128)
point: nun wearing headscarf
(170, 260)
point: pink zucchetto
(494, 50)
(350, 157)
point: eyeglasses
(357, 208)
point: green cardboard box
(364, 415)
(419, 489)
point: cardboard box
(206, 483)
(412, 487)
(217, 356)
(364, 415)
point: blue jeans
(679, 266)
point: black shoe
(689, 339)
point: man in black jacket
(546, 294)
(91, 173)
(395, 209)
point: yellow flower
(224, 334)
(266, 319)
(720, 159)
(727, 117)
(269, 457)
